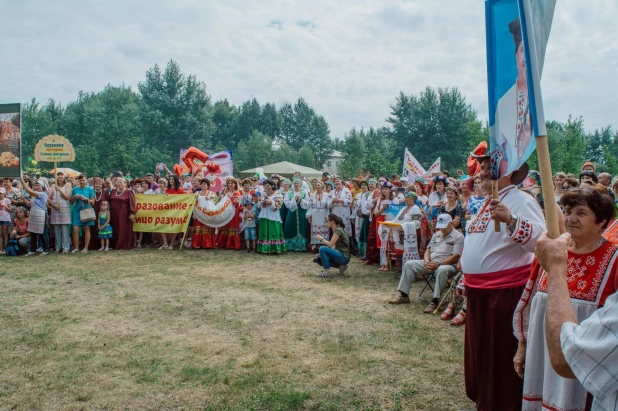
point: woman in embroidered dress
(284, 190)
(122, 209)
(357, 214)
(438, 197)
(339, 201)
(408, 236)
(366, 203)
(270, 238)
(317, 205)
(228, 234)
(295, 227)
(592, 275)
(38, 215)
(380, 204)
(245, 197)
(61, 213)
(204, 236)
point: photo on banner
(517, 34)
(10, 140)
(412, 169)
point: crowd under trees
(119, 128)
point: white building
(332, 164)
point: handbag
(87, 215)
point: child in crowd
(250, 232)
(187, 185)
(5, 218)
(105, 229)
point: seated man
(440, 258)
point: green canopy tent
(284, 169)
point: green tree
(435, 123)
(354, 154)
(301, 125)
(254, 152)
(306, 157)
(175, 110)
(284, 153)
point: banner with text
(161, 213)
(10, 140)
(412, 169)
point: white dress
(317, 209)
(342, 210)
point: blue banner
(517, 33)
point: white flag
(412, 169)
(435, 168)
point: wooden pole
(551, 216)
(494, 195)
(183, 238)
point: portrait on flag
(514, 83)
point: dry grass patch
(217, 330)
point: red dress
(228, 234)
(95, 241)
(121, 206)
(204, 236)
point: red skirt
(204, 236)
(228, 235)
(491, 380)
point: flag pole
(551, 216)
(494, 195)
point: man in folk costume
(496, 267)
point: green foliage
(436, 123)
(301, 125)
(306, 157)
(255, 152)
(121, 129)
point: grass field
(217, 330)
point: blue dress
(79, 205)
(107, 231)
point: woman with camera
(337, 250)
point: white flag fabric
(436, 167)
(412, 169)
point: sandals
(323, 274)
(448, 313)
(459, 320)
(163, 247)
(85, 251)
(383, 268)
(75, 250)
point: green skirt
(270, 239)
(295, 230)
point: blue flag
(517, 34)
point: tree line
(119, 128)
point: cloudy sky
(348, 58)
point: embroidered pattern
(522, 232)
(585, 275)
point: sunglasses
(566, 188)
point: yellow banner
(162, 213)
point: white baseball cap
(443, 220)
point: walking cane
(450, 290)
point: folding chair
(428, 279)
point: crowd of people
(443, 228)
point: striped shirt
(591, 350)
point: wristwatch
(511, 224)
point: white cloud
(348, 59)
